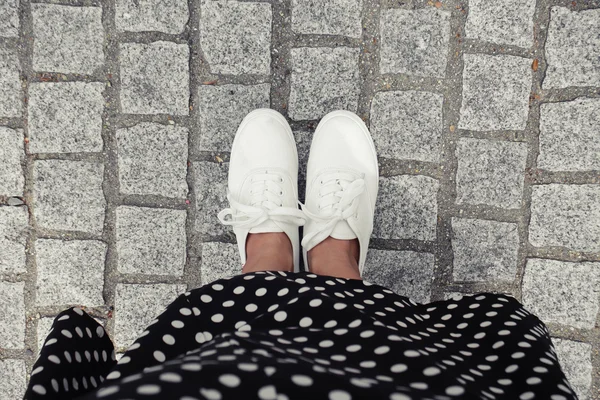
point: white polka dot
(419, 385)
(54, 359)
(306, 322)
(191, 367)
(368, 364)
(527, 396)
(315, 302)
(239, 290)
(382, 350)
(431, 371)
(411, 353)
(399, 396)
(177, 324)
(397, 368)
(211, 394)
(534, 380)
(107, 391)
(148, 389)
(168, 339)
(39, 389)
(251, 307)
(68, 356)
(325, 343)
(185, 311)
(114, 375)
(280, 316)
(455, 390)
(330, 324)
(283, 292)
(248, 367)
(260, 292)
(228, 303)
(518, 354)
(267, 393)
(511, 368)
(302, 380)
(218, 287)
(205, 298)
(159, 356)
(217, 318)
(339, 306)
(229, 380)
(353, 348)
(339, 395)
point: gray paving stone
(303, 142)
(13, 235)
(219, 261)
(151, 241)
(484, 250)
(211, 197)
(168, 16)
(502, 21)
(569, 136)
(44, 325)
(12, 154)
(323, 80)
(65, 117)
(407, 125)
(327, 17)
(406, 208)
(76, 266)
(490, 172)
(67, 39)
(12, 378)
(572, 48)
(236, 36)
(9, 24)
(562, 292)
(143, 152)
(10, 84)
(155, 78)
(414, 42)
(137, 305)
(407, 273)
(495, 92)
(576, 361)
(565, 215)
(222, 109)
(68, 195)
(12, 315)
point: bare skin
(273, 252)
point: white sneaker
(342, 180)
(263, 181)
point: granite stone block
(11, 93)
(12, 156)
(9, 23)
(68, 195)
(65, 117)
(565, 216)
(222, 109)
(562, 292)
(211, 197)
(407, 273)
(13, 235)
(167, 16)
(495, 92)
(407, 125)
(219, 260)
(67, 39)
(12, 315)
(12, 378)
(323, 80)
(155, 78)
(327, 17)
(236, 36)
(151, 241)
(490, 172)
(406, 208)
(152, 159)
(576, 362)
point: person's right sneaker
(342, 180)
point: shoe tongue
(267, 226)
(342, 231)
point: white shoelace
(266, 203)
(338, 201)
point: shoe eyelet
(280, 180)
(281, 193)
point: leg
(335, 257)
(268, 252)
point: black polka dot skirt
(277, 336)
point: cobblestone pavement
(117, 116)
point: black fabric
(278, 335)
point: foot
(335, 257)
(342, 181)
(262, 187)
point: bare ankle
(335, 257)
(268, 252)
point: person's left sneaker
(263, 181)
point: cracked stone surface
(117, 120)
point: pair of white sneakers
(342, 181)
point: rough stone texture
(10, 84)
(222, 109)
(155, 78)
(303, 142)
(67, 39)
(323, 80)
(68, 195)
(12, 315)
(151, 241)
(414, 42)
(143, 152)
(219, 260)
(490, 172)
(168, 16)
(76, 266)
(407, 273)
(236, 36)
(501, 21)
(407, 125)
(12, 377)
(9, 23)
(573, 48)
(137, 305)
(65, 117)
(327, 17)
(565, 215)
(575, 360)
(12, 156)
(495, 92)
(406, 208)
(211, 197)
(13, 235)
(569, 136)
(44, 325)
(562, 292)
(484, 250)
